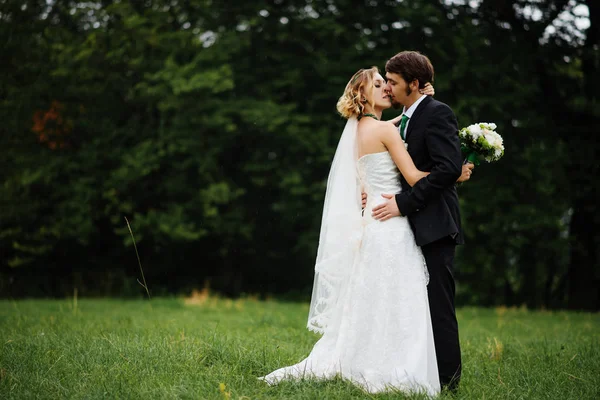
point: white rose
(497, 139)
(490, 139)
(475, 131)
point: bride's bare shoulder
(385, 128)
(377, 130)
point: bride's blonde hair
(359, 87)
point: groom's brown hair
(411, 65)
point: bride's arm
(427, 89)
(395, 145)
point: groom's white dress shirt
(410, 112)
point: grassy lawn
(215, 349)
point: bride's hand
(396, 121)
(428, 90)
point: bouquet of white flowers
(480, 141)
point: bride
(370, 292)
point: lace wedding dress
(380, 335)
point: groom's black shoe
(450, 384)
(450, 388)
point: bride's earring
(363, 100)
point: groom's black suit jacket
(432, 204)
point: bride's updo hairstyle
(357, 93)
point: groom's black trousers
(439, 256)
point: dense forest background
(211, 126)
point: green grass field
(167, 349)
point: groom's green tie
(403, 123)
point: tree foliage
(212, 125)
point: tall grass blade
(144, 285)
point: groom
(430, 130)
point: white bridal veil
(341, 231)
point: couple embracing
(383, 296)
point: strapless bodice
(378, 174)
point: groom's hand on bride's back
(386, 210)
(364, 201)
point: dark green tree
(211, 127)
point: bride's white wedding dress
(380, 336)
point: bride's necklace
(368, 115)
